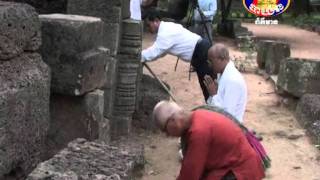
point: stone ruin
(69, 76)
(294, 78)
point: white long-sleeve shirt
(208, 8)
(232, 92)
(172, 39)
(135, 9)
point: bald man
(216, 147)
(230, 93)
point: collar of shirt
(227, 69)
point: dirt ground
(293, 156)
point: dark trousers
(200, 64)
(229, 176)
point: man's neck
(225, 66)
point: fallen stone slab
(299, 76)
(308, 114)
(69, 35)
(270, 54)
(92, 161)
(19, 30)
(76, 117)
(24, 114)
(77, 75)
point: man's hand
(211, 85)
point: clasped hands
(211, 85)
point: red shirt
(217, 145)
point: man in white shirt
(231, 94)
(209, 9)
(174, 39)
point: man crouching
(216, 147)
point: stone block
(19, 30)
(270, 54)
(76, 117)
(110, 86)
(92, 161)
(299, 76)
(69, 35)
(46, 6)
(109, 11)
(77, 75)
(111, 38)
(308, 114)
(120, 126)
(125, 4)
(24, 113)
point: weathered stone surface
(110, 86)
(46, 6)
(308, 114)
(125, 4)
(111, 37)
(108, 11)
(19, 30)
(270, 54)
(92, 161)
(76, 117)
(80, 74)
(132, 27)
(299, 76)
(151, 93)
(69, 35)
(24, 113)
(121, 125)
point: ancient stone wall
(24, 91)
(124, 38)
(72, 48)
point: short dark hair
(152, 15)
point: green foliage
(301, 20)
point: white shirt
(208, 8)
(232, 92)
(135, 9)
(172, 39)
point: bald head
(163, 111)
(219, 51)
(218, 55)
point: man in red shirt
(216, 147)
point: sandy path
(294, 157)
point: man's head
(170, 118)
(153, 21)
(218, 56)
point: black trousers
(200, 64)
